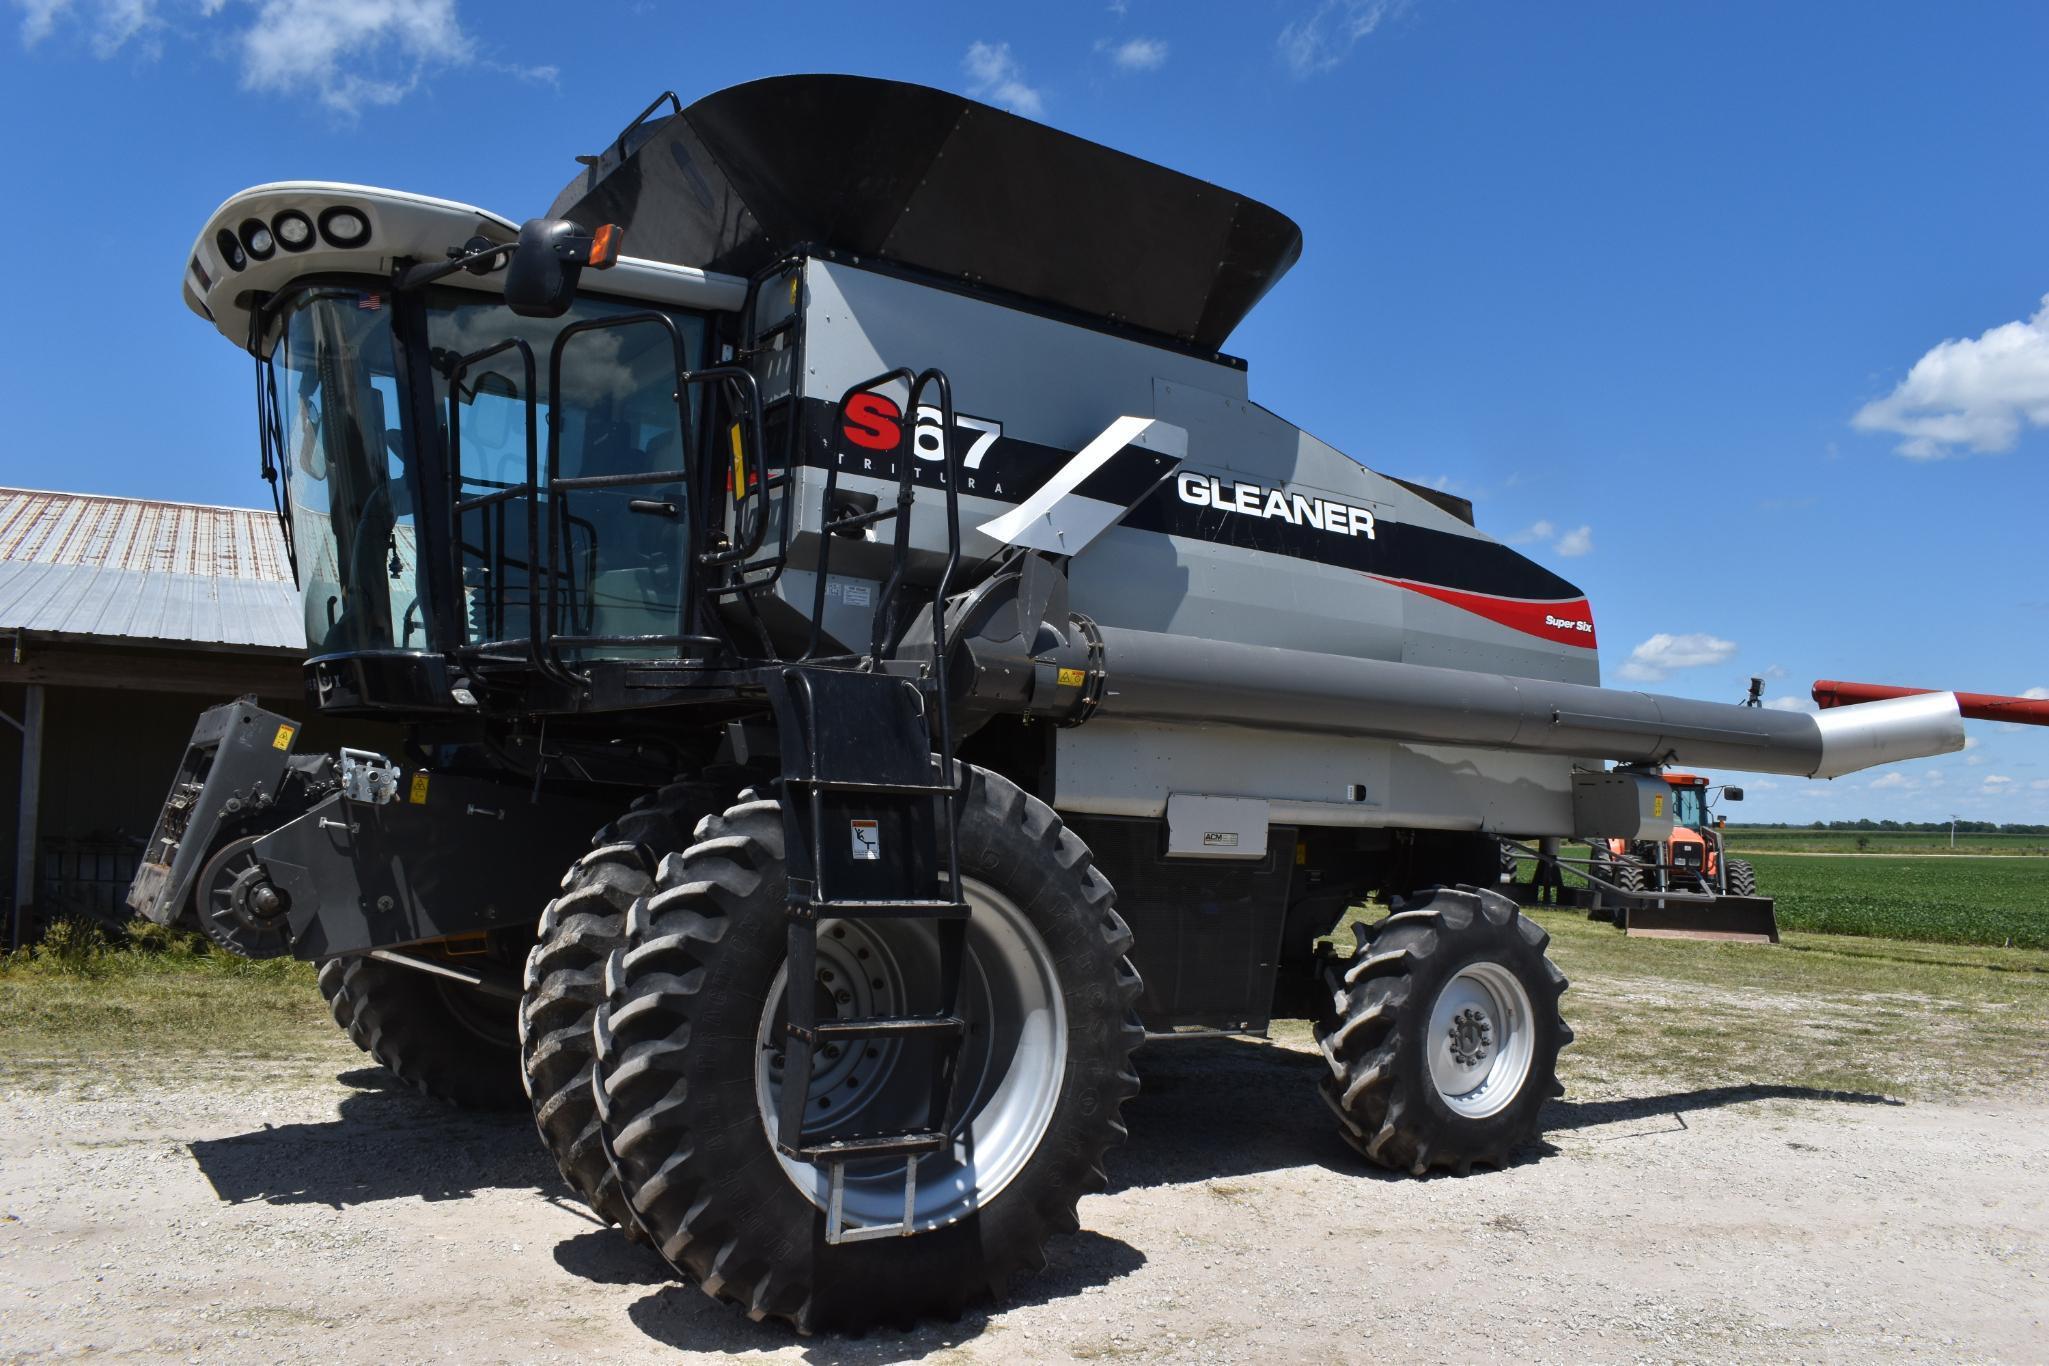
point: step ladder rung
(883, 910)
(875, 789)
(863, 1147)
(880, 1027)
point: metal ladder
(858, 758)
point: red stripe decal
(1568, 623)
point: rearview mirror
(1732, 794)
(540, 279)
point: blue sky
(1732, 313)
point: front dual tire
(686, 1077)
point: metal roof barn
(91, 566)
(119, 619)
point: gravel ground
(221, 1211)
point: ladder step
(875, 789)
(873, 1146)
(878, 910)
(882, 1027)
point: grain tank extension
(868, 664)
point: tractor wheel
(1742, 877)
(690, 1053)
(565, 979)
(1444, 1033)
(441, 1038)
(1627, 873)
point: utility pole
(1952, 832)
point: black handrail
(558, 488)
(905, 376)
(503, 495)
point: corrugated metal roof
(81, 564)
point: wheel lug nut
(873, 1051)
(844, 997)
(825, 974)
(861, 952)
(876, 982)
(839, 932)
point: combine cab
(868, 663)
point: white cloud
(348, 55)
(1570, 544)
(1664, 652)
(1997, 780)
(352, 53)
(1970, 742)
(1327, 36)
(994, 75)
(109, 25)
(39, 19)
(1969, 392)
(1791, 703)
(1892, 782)
(2040, 785)
(1136, 54)
(2039, 694)
(1975, 760)
(1772, 672)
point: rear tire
(441, 1038)
(1742, 878)
(1628, 874)
(684, 1064)
(1444, 1033)
(565, 980)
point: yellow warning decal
(1658, 807)
(1301, 855)
(1072, 678)
(419, 790)
(283, 738)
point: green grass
(1883, 842)
(160, 992)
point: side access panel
(452, 855)
(1208, 930)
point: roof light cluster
(291, 230)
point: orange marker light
(605, 244)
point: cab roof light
(258, 240)
(230, 250)
(293, 230)
(344, 226)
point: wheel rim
(1480, 1042)
(1012, 1061)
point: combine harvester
(963, 677)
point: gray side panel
(1128, 769)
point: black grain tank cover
(929, 179)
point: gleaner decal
(1464, 571)
(1296, 509)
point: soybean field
(1942, 900)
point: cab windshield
(1688, 807)
(357, 506)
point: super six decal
(1474, 575)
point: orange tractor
(1713, 896)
